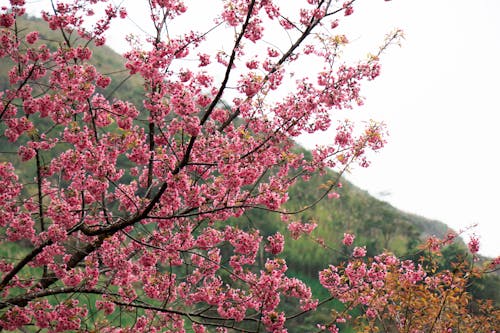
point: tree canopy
(122, 212)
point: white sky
(438, 96)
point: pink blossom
(473, 244)
(6, 20)
(297, 229)
(333, 328)
(197, 328)
(348, 239)
(32, 37)
(359, 252)
(333, 195)
(371, 313)
(26, 153)
(204, 59)
(276, 243)
(103, 81)
(348, 9)
(254, 30)
(123, 13)
(108, 307)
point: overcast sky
(438, 95)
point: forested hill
(376, 224)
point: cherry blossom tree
(120, 209)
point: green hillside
(377, 224)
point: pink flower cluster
(348, 239)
